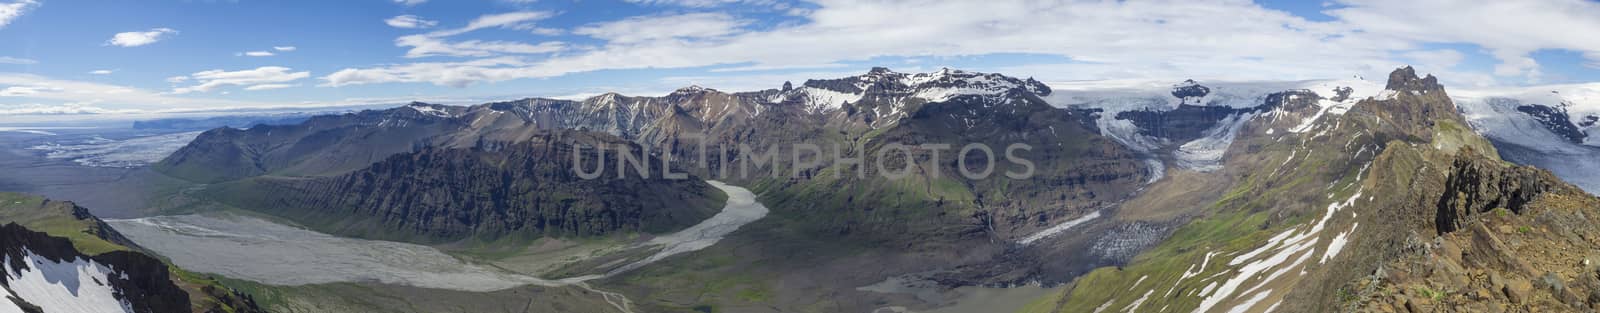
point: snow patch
(75, 285)
(1058, 228)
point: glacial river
(271, 253)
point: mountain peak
(693, 89)
(1405, 78)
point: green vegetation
(55, 218)
(1430, 293)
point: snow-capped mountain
(1552, 127)
(66, 285)
(889, 95)
(1193, 123)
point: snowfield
(1524, 140)
(1203, 154)
(70, 286)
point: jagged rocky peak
(1405, 79)
(945, 82)
(1342, 93)
(430, 109)
(1190, 90)
(692, 89)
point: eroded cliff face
(1510, 238)
(1478, 185)
(494, 191)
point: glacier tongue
(1205, 154)
(1111, 97)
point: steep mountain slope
(1365, 211)
(322, 145)
(79, 264)
(855, 115)
(525, 190)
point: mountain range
(1347, 195)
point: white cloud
(436, 43)
(425, 46)
(284, 48)
(1115, 39)
(1509, 30)
(48, 92)
(701, 3)
(840, 31)
(497, 20)
(409, 21)
(17, 61)
(266, 75)
(409, 2)
(269, 86)
(647, 28)
(255, 53)
(457, 74)
(22, 91)
(102, 72)
(177, 79)
(10, 11)
(135, 39)
(61, 109)
(546, 31)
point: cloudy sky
(78, 57)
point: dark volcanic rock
(1556, 120)
(1477, 185)
(1406, 78)
(496, 190)
(1183, 124)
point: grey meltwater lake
(259, 250)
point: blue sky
(152, 56)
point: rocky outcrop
(1477, 185)
(1511, 238)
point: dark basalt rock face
(1183, 124)
(1190, 122)
(526, 189)
(1406, 78)
(1477, 184)
(1557, 121)
(139, 280)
